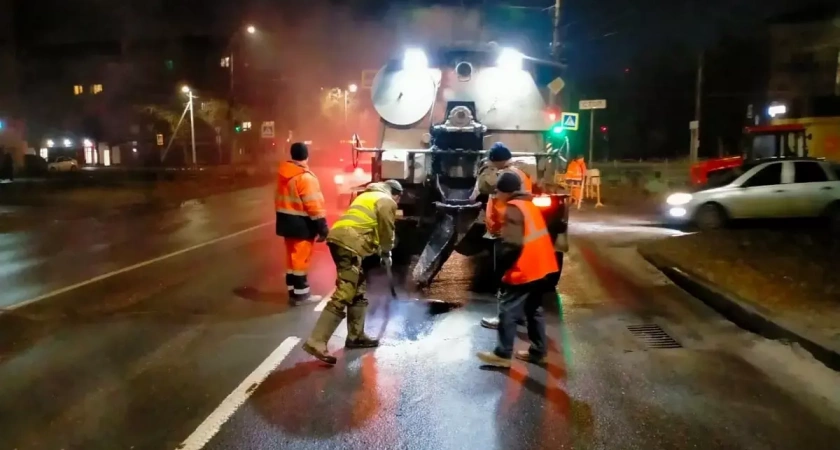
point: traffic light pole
(591, 133)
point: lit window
(246, 125)
(96, 88)
(78, 90)
(225, 62)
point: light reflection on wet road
(141, 359)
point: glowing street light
(352, 88)
(251, 29)
(185, 89)
(67, 142)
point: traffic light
(557, 130)
(2, 124)
(603, 129)
(237, 127)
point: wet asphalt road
(171, 353)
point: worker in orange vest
(575, 173)
(301, 220)
(528, 269)
(499, 161)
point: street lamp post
(190, 96)
(351, 89)
(250, 29)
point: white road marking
(213, 423)
(132, 267)
(320, 306)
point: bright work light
(415, 59)
(510, 59)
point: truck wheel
(710, 216)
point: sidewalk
(783, 285)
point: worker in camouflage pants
(365, 229)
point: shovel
(390, 274)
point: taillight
(542, 201)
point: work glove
(323, 230)
(385, 259)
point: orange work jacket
(298, 201)
(537, 259)
(494, 215)
(576, 170)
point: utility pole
(555, 41)
(555, 46)
(192, 128)
(698, 98)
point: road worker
(529, 271)
(365, 229)
(575, 173)
(301, 220)
(499, 161)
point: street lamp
(351, 89)
(250, 29)
(186, 90)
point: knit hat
(299, 152)
(508, 182)
(396, 187)
(498, 152)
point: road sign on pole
(556, 85)
(267, 129)
(592, 105)
(569, 121)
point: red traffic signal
(603, 129)
(553, 114)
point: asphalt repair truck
(440, 111)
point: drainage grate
(653, 336)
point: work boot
(492, 359)
(316, 345)
(493, 322)
(304, 299)
(356, 337)
(525, 355)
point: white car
(63, 164)
(768, 189)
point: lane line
(132, 267)
(214, 422)
(320, 306)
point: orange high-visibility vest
(576, 170)
(298, 192)
(537, 259)
(494, 214)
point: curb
(743, 314)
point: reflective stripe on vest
(287, 200)
(537, 259)
(362, 213)
(494, 215)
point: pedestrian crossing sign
(569, 121)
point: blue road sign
(570, 121)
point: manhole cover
(653, 336)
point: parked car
(63, 164)
(768, 189)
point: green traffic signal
(557, 130)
